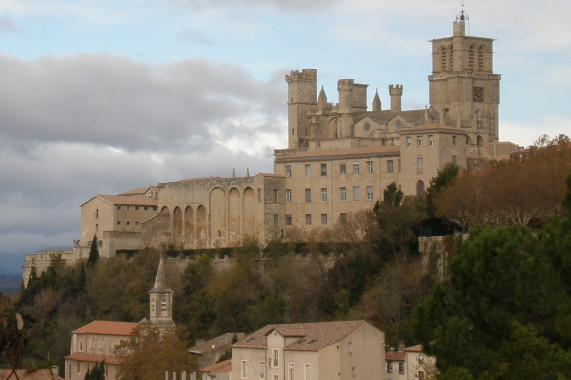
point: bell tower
(161, 300)
(463, 86)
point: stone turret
(321, 101)
(161, 300)
(376, 102)
(302, 100)
(395, 91)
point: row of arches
(476, 58)
(221, 220)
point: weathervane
(462, 16)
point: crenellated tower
(463, 87)
(302, 100)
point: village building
(95, 342)
(310, 351)
(408, 364)
(210, 351)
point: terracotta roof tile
(341, 153)
(129, 200)
(399, 355)
(107, 328)
(136, 191)
(313, 336)
(222, 340)
(222, 367)
(92, 358)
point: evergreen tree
(93, 252)
(97, 372)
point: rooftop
(107, 328)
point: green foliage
(443, 178)
(97, 372)
(93, 252)
(503, 291)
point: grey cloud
(6, 26)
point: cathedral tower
(463, 86)
(301, 100)
(161, 300)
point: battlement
(305, 75)
(395, 89)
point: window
(408, 141)
(118, 222)
(244, 369)
(136, 208)
(96, 213)
(419, 163)
(369, 193)
(356, 193)
(349, 348)
(454, 159)
(343, 217)
(389, 367)
(420, 375)
(307, 195)
(307, 170)
(291, 371)
(453, 140)
(288, 170)
(430, 140)
(288, 220)
(259, 194)
(389, 166)
(419, 140)
(276, 377)
(288, 195)
(308, 219)
(128, 208)
(399, 165)
(323, 170)
(323, 218)
(356, 168)
(342, 168)
(97, 228)
(307, 372)
(369, 167)
(128, 223)
(401, 368)
(262, 372)
(343, 194)
(324, 195)
(276, 219)
(78, 369)
(118, 207)
(276, 361)
(275, 195)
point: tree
(97, 372)
(149, 352)
(93, 252)
(504, 294)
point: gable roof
(312, 336)
(222, 367)
(107, 328)
(93, 358)
(219, 341)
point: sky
(101, 96)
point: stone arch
(479, 141)
(177, 222)
(201, 231)
(248, 213)
(471, 57)
(188, 230)
(234, 217)
(443, 58)
(217, 216)
(468, 141)
(450, 58)
(420, 188)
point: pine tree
(93, 252)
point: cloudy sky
(100, 96)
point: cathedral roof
(107, 328)
(383, 117)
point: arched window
(420, 188)
(443, 59)
(450, 59)
(480, 141)
(164, 308)
(471, 57)
(481, 58)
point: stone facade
(339, 159)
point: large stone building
(340, 157)
(311, 351)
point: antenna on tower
(463, 17)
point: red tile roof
(312, 336)
(222, 367)
(107, 328)
(398, 356)
(92, 358)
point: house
(208, 352)
(408, 363)
(217, 371)
(96, 341)
(310, 351)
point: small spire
(247, 172)
(161, 279)
(376, 101)
(233, 173)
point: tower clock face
(478, 94)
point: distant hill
(11, 264)
(11, 283)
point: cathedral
(339, 159)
